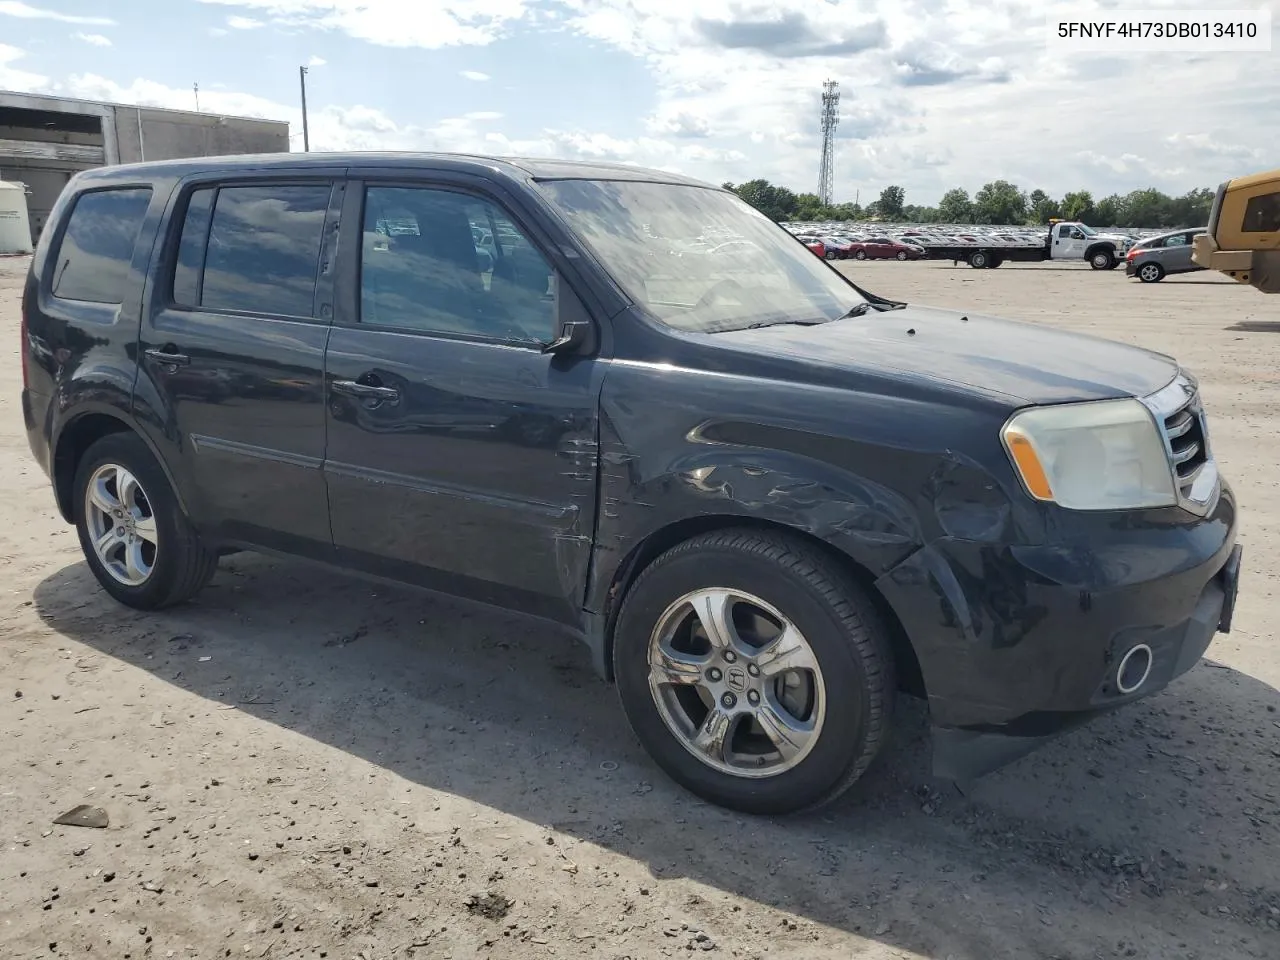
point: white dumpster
(15, 227)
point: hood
(1026, 362)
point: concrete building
(44, 141)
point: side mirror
(575, 331)
(574, 335)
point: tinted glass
(1262, 215)
(264, 249)
(93, 259)
(444, 262)
(195, 234)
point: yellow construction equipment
(1243, 238)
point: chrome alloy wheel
(736, 683)
(122, 527)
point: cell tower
(830, 119)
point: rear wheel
(135, 537)
(1151, 273)
(978, 260)
(754, 671)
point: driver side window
(436, 261)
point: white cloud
(397, 23)
(935, 95)
(482, 115)
(13, 8)
(11, 78)
(244, 23)
(317, 62)
(93, 39)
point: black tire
(995, 262)
(1150, 273)
(978, 260)
(182, 565)
(1102, 259)
(836, 619)
(902, 255)
(830, 254)
(860, 255)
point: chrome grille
(1178, 410)
(1188, 450)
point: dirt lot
(301, 765)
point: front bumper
(1019, 644)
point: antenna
(830, 119)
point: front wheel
(1102, 260)
(754, 671)
(902, 254)
(135, 537)
(860, 255)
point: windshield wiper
(862, 309)
(788, 320)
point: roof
(515, 168)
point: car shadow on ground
(1156, 817)
(1256, 326)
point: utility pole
(196, 88)
(306, 135)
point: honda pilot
(766, 499)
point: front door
(459, 455)
(1068, 242)
(233, 351)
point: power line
(830, 120)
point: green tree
(892, 199)
(1147, 208)
(1078, 206)
(999, 202)
(955, 207)
(1191, 209)
(776, 203)
(846, 211)
(1043, 208)
(1108, 212)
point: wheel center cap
(735, 679)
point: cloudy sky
(936, 93)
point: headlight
(1105, 455)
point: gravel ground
(302, 765)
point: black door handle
(364, 391)
(168, 355)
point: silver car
(1155, 257)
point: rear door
(460, 456)
(233, 354)
(1176, 256)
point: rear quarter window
(92, 263)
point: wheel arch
(76, 436)
(910, 676)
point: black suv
(765, 498)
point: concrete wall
(172, 135)
(125, 135)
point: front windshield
(700, 259)
(1087, 230)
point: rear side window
(254, 249)
(97, 247)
